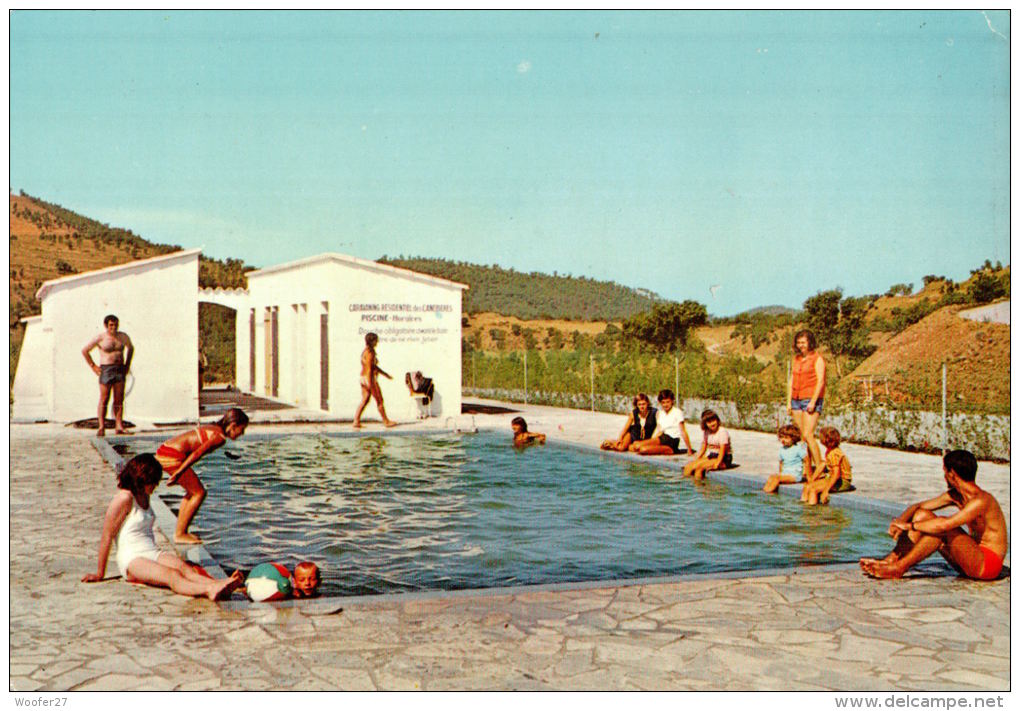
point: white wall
(358, 298)
(403, 346)
(33, 379)
(157, 304)
(991, 313)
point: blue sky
(772, 154)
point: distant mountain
(533, 295)
(775, 310)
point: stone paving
(804, 629)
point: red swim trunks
(993, 564)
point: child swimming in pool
(716, 441)
(793, 466)
(177, 455)
(129, 520)
(839, 477)
(306, 579)
(522, 437)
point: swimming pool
(464, 511)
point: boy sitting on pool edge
(522, 437)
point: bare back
(988, 528)
(368, 364)
(192, 440)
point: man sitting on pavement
(976, 553)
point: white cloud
(524, 67)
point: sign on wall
(418, 323)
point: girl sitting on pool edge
(522, 437)
(129, 519)
(716, 441)
(669, 429)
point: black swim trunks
(670, 442)
(111, 373)
(727, 460)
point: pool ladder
(453, 423)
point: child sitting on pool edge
(836, 464)
(716, 441)
(521, 435)
(793, 466)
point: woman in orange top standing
(806, 391)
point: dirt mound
(976, 354)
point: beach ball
(267, 582)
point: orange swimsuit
(171, 458)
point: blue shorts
(802, 404)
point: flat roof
(106, 271)
(358, 262)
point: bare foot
(882, 570)
(866, 563)
(122, 432)
(100, 433)
(224, 587)
(356, 425)
(186, 538)
(390, 423)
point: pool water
(455, 511)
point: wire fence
(746, 394)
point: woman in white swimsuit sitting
(129, 519)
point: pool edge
(198, 554)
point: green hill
(48, 241)
(533, 295)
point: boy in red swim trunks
(976, 553)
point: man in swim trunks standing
(115, 354)
(918, 532)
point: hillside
(533, 295)
(508, 311)
(977, 357)
(493, 332)
(48, 241)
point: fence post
(591, 371)
(676, 375)
(525, 377)
(945, 431)
(473, 385)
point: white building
(156, 301)
(301, 338)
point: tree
(839, 324)
(821, 313)
(900, 289)
(987, 287)
(666, 326)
